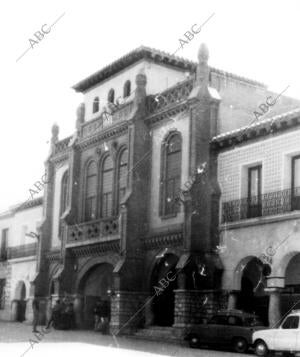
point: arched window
(122, 176)
(127, 89)
(111, 96)
(96, 105)
(64, 192)
(171, 174)
(90, 191)
(106, 187)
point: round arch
(238, 271)
(112, 260)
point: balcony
(21, 251)
(102, 122)
(268, 204)
(97, 230)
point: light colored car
(282, 339)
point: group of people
(62, 315)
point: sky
(254, 39)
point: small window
(111, 96)
(296, 183)
(96, 105)
(127, 89)
(291, 322)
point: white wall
(28, 218)
(159, 78)
(275, 155)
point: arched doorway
(20, 296)
(95, 284)
(290, 296)
(252, 297)
(164, 299)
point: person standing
(36, 310)
(97, 315)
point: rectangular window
(254, 192)
(4, 241)
(292, 322)
(296, 183)
(2, 293)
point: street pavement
(17, 340)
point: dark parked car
(228, 328)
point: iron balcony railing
(267, 204)
(20, 251)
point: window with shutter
(127, 89)
(91, 191)
(171, 175)
(107, 187)
(122, 176)
(96, 105)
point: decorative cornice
(110, 133)
(163, 240)
(96, 249)
(53, 256)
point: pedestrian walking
(36, 310)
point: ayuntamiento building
(169, 173)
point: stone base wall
(127, 311)
(196, 306)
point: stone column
(274, 306)
(149, 316)
(14, 310)
(128, 311)
(232, 299)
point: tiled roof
(293, 115)
(156, 56)
(29, 204)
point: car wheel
(261, 349)
(194, 341)
(240, 345)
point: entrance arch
(252, 297)
(163, 302)
(20, 297)
(290, 296)
(96, 283)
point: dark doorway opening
(164, 282)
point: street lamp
(32, 235)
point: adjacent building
(259, 175)
(18, 259)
